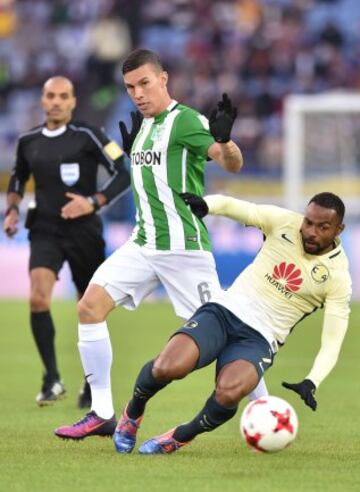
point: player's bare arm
(228, 155)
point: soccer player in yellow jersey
(300, 268)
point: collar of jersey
(171, 106)
(330, 254)
(53, 133)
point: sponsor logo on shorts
(191, 324)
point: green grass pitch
(324, 457)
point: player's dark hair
(140, 57)
(330, 200)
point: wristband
(94, 202)
(11, 207)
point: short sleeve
(193, 132)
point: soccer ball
(269, 424)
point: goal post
(322, 148)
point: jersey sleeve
(20, 173)
(336, 320)
(106, 150)
(193, 132)
(111, 156)
(264, 217)
(337, 302)
(332, 337)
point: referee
(63, 157)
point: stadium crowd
(256, 50)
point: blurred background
(292, 68)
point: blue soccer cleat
(125, 433)
(164, 444)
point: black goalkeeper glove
(222, 119)
(306, 389)
(197, 205)
(128, 138)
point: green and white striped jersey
(168, 157)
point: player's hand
(128, 138)
(306, 389)
(222, 119)
(77, 206)
(10, 223)
(197, 205)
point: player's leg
(240, 366)
(84, 249)
(234, 382)
(189, 278)
(197, 271)
(177, 359)
(195, 345)
(125, 278)
(45, 262)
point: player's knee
(94, 305)
(87, 310)
(39, 302)
(165, 369)
(230, 394)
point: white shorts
(133, 272)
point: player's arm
(228, 155)
(334, 329)
(264, 217)
(224, 151)
(15, 192)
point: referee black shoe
(50, 393)
(84, 400)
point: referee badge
(70, 173)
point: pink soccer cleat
(90, 425)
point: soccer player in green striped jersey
(170, 245)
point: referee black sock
(43, 330)
(146, 386)
(211, 416)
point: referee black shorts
(222, 336)
(80, 243)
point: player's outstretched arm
(129, 137)
(224, 151)
(332, 337)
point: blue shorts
(222, 336)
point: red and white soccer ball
(269, 424)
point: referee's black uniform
(65, 160)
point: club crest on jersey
(157, 133)
(146, 158)
(70, 173)
(320, 273)
(286, 278)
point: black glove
(197, 204)
(222, 119)
(128, 138)
(306, 389)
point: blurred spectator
(257, 50)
